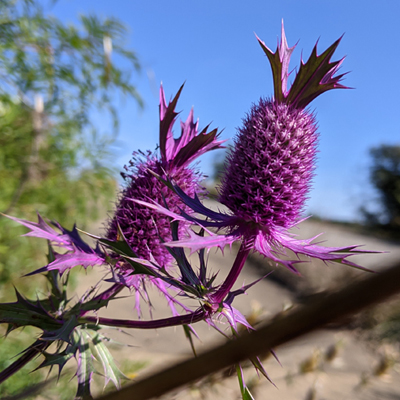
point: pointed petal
(265, 246)
(315, 77)
(41, 229)
(196, 242)
(328, 254)
(280, 65)
(70, 260)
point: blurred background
(79, 83)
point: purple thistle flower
(144, 230)
(269, 171)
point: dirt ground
(304, 373)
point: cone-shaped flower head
(268, 173)
(144, 229)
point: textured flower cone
(269, 171)
(144, 229)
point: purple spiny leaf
(167, 120)
(280, 65)
(182, 151)
(196, 242)
(67, 261)
(315, 77)
(75, 238)
(42, 230)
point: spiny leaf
(188, 333)
(167, 120)
(67, 261)
(24, 312)
(280, 65)
(42, 230)
(63, 333)
(246, 395)
(85, 369)
(59, 359)
(111, 371)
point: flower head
(269, 171)
(143, 229)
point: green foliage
(54, 79)
(385, 177)
(10, 347)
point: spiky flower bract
(269, 170)
(143, 229)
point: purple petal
(191, 144)
(43, 230)
(196, 242)
(280, 64)
(70, 260)
(329, 254)
(264, 246)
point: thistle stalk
(230, 280)
(29, 354)
(186, 319)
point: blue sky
(210, 45)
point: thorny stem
(230, 280)
(187, 319)
(35, 349)
(107, 294)
(297, 322)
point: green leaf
(59, 359)
(246, 395)
(85, 367)
(111, 371)
(63, 333)
(188, 333)
(24, 313)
